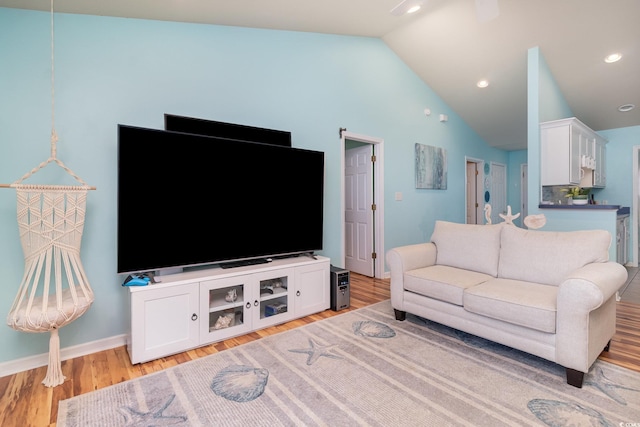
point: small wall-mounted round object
(427, 112)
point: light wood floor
(631, 291)
(24, 401)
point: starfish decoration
(153, 417)
(608, 387)
(508, 218)
(315, 351)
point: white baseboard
(31, 362)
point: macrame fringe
(54, 375)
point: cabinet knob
(194, 317)
(248, 305)
(256, 303)
(298, 293)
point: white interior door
(359, 221)
(498, 194)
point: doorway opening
(497, 188)
(362, 204)
(474, 205)
(524, 193)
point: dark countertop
(624, 210)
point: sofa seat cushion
(527, 304)
(442, 282)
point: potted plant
(578, 195)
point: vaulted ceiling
(450, 47)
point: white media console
(196, 308)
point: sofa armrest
(586, 313)
(590, 286)
(405, 258)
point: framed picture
(431, 167)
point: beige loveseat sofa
(551, 294)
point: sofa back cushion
(548, 257)
(468, 246)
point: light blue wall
(619, 189)
(620, 164)
(111, 70)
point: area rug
(364, 368)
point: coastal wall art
(431, 167)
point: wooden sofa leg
(400, 315)
(574, 377)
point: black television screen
(188, 200)
(176, 123)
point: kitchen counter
(561, 217)
(621, 210)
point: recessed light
(406, 6)
(614, 57)
(482, 83)
(626, 107)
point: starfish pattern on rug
(154, 417)
(600, 381)
(316, 351)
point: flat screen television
(184, 124)
(190, 200)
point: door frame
(378, 196)
(479, 188)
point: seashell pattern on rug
(240, 383)
(554, 413)
(372, 329)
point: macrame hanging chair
(54, 290)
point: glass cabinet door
(226, 304)
(274, 297)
